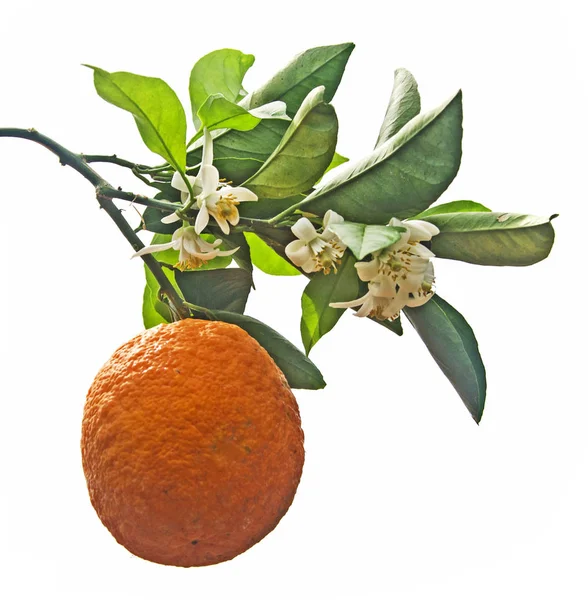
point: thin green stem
(104, 194)
(275, 220)
(112, 159)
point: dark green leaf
(318, 318)
(400, 178)
(453, 345)
(453, 207)
(152, 221)
(218, 72)
(394, 326)
(300, 372)
(266, 208)
(266, 259)
(243, 256)
(154, 310)
(364, 239)
(238, 155)
(157, 111)
(303, 154)
(492, 238)
(221, 289)
(405, 104)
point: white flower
(398, 276)
(194, 251)
(315, 251)
(212, 197)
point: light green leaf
(238, 155)
(300, 372)
(266, 259)
(154, 310)
(400, 178)
(364, 239)
(453, 345)
(218, 72)
(220, 289)
(492, 238)
(318, 318)
(303, 154)
(453, 207)
(338, 159)
(157, 111)
(405, 104)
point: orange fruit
(191, 443)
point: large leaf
(266, 259)
(364, 239)
(323, 65)
(405, 103)
(157, 111)
(400, 178)
(453, 345)
(318, 318)
(453, 207)
(299, 371)
(218, 72)
(238, 155)
(220, 289)
(395, 326)
(303, 154)
(242, 256)
(492, 238)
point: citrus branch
(104, 194)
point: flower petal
(304, 230)
(207, 153)
(209, 179)
(420, 231)
(172, 218)
(201, 219)
(298, 252)
(240, 194)
(154, 248)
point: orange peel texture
(191, 443)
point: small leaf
(157, 111)
(492, 238)
(400, 178)
(218, 72)
(154, 310)
(219, 113)
(453, 207)
(364, 239)
(404, 105)
(395, 326)
(300, 372)
(152, 221)
(453, 345)
(318, 318)
(220, 289)
(303, 154)
(266, 259)
(338, 159)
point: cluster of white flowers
(314, 251)
(213, 198)
(398, 276)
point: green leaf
(395, 326)
(453, 345)
(303, 154)
(154, 310)
(492, 238)
(243, 256)
(218, 72)
(266, 259)
(157, 111)
(318, 318)
(238, 155)
(152, 221)
(338, 159)
(400, 178)
(300, 372)
(220, 289)
(364, 239)
(323, 65)
(405, 104)
(453, 207)
(266, 208)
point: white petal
(170, 218)
(154, 248)
(332, 218)
(209, 180)
(179, 183)
(298, 252)
(222, 223)
(351, 303)
(207, 154)
(304, 230)
(241, 194)
(227, 252)
(420, 230)
(367, 271)
(201, 219)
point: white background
(402, 496)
